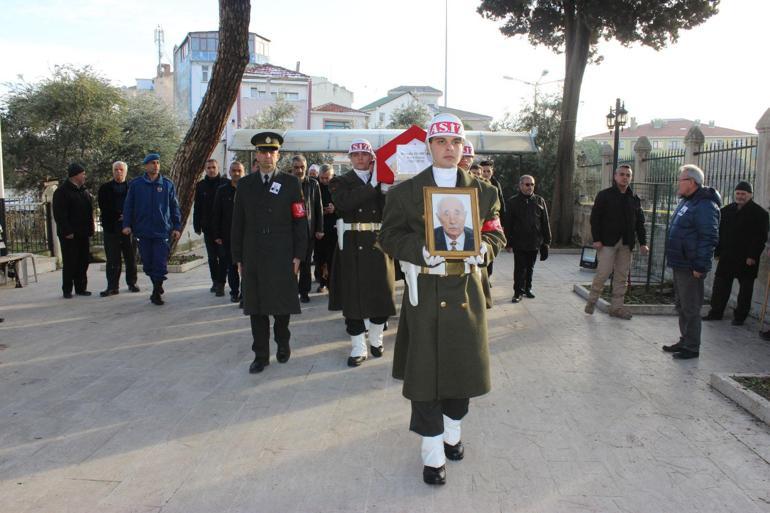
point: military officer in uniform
(441, 350)
(268, 241)
(363, 277)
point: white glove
(477, 259)
(384, 187)
(373, 180)
(431, 260)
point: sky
(716, 71)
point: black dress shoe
(764, 335)
(304, 298)
(67, 295)
(213, 288)
(674, 348)
(454, 452)
(155, 299)
(320, 289)
(711, 317)
(234, 298)
(283, 354)
(433, 475)
(686, 354)
(516, 298)
(529, 294)
(109, 292)
(220, 291)
(134, 288)
(355, 361)
(376, 351)
(257, 366)
(737, 322)
(83, 293)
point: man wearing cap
(311, 194)
(268, 240)
(363, 277)
(151, 212)
(742, 236)
(74, 216)
(441, 350)
(203, 210)
(468, 155)
(111, 197)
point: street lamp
(535, 85)
(616, 120)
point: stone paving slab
(113, 405)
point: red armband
(492, 225)
(298, 210)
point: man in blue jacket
(693, 234)
(152, 213)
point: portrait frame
(469, 198)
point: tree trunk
(578, 43)
(214, 111)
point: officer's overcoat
(441, 347)
(265, 236)
(362, 278)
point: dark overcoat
(742, 235)
(441, 347)
(265, 237)
(362, 279)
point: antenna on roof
(159, 40)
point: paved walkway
(114, 405)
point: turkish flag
(385, 153)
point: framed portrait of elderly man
(452, 226)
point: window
(622, 145)
(254, 92)
(655, 144)
(286, 95)
(675, 145)
(204, 73)
(330, 124)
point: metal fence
(727, 164)
(28, 224)
(663, 166)
(658, 203)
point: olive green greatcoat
(265, 237)
(441, 347)
(362, 278)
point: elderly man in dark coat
(742, 237)
(441, 350)
(311, 194)
(363, 277)
(268, 241)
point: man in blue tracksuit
(151, 211)
(692, 236)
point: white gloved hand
(431, 260)
(373, 179)
(477, 259)
(384, 187)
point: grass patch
(642, 295)
(758, 385)
(182, 259)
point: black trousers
(427, 416)
(212, 251)
(356, 326)
(323, 256)
(523, 267)
(115, 246)
(228, 268)
(305, 278)
(260, 332)
(74, 255)
(720, 295)
(490, 268)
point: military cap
(267, 140)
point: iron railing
(28, 221)
(726, 164)
(658, 202)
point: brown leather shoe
(620, 313)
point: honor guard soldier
(268, 241)
(441, 350)
(467, 159)
(363, 277)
